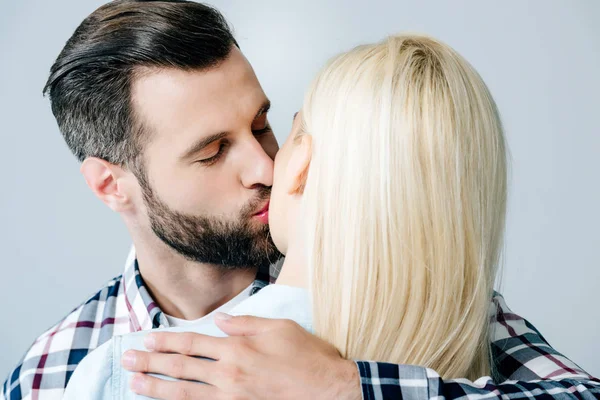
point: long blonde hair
(404, 205)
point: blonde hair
(404, 205)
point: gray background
(541, 60)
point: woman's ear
(298, 165)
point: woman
(400, 162)
(389, 202)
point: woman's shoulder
(92, 375)
(278, 302)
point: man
(170, 124)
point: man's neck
(185, 289)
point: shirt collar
(144, 312)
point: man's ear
(298, 165)
(106, 181)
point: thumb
(243, 325)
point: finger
(188, 343)
(168, 390)
(246, 325)
(174, 365)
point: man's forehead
(177, 96)
(228, 79)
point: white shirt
(100, 375)
(225, 308)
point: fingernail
(128, 359)
(137, 384)
(150, 342)
(222, 316)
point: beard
(228, 244)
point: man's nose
(257, 166)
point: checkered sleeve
(5, 392)
(524, 362)
(390, 381)
(44, 371)
(45, 368)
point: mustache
(263, 193)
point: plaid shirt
(124, 305)
(526, 365)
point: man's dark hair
(90, 82)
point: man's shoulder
(53, 356)
(94, 313)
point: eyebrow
(295, 114)
(204, 142)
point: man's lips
(263, 210)
(263, 214)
